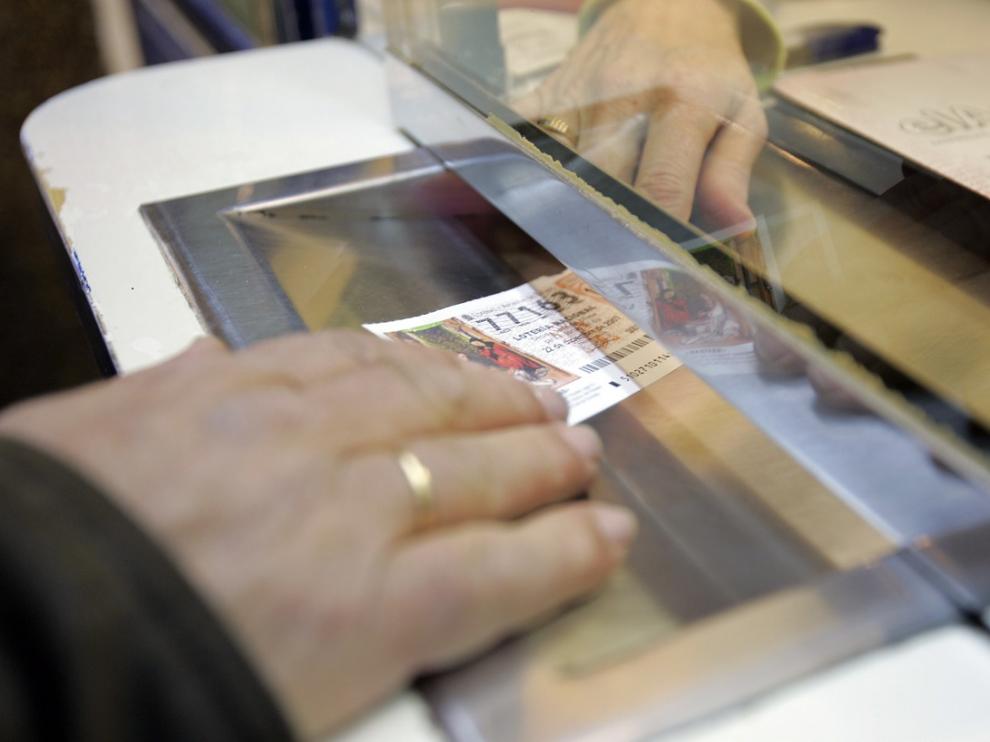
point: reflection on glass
(661, 95)
(815, 210)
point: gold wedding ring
(556, 125)
(420, 482)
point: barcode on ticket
(616, 355)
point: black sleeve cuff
(101, 638)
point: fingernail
(553, 403)
(584, 440)
(616, 524)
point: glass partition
(762, 235)
(845, 189)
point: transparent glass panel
(847, 189)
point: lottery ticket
(554, 332)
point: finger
(675, 147)
(457, 591)
(500, 474)
(612, 138)
(723, 185)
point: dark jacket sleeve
(100, 637)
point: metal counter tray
(721, 601)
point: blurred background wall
(46, 46)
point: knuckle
(517, 397)
(259, 412)
(452, 394)
(679, 92)
(417, 356)
(341, 344)
(683, 85)
(552, 468)
(203, 352)
(277, 347)
(282, 409)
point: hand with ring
(356, 511)
(659, 94)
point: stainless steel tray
(720, 585)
